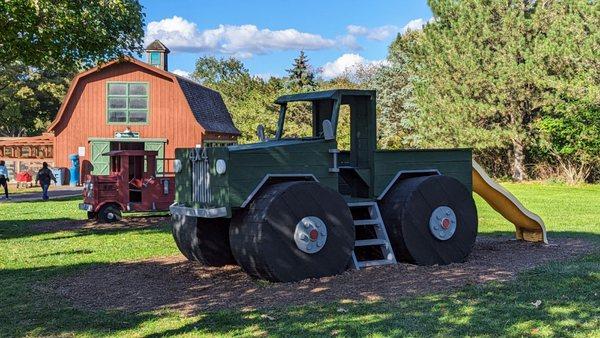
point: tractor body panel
(247, 166)
(455, 163)
(250, 165)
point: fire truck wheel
(430, 220)
(203, 240)
(109, 213)
(92, 215)
(293, 231)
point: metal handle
(335, 168)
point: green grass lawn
(569, 291)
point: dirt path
(174, 283)
(55, 192)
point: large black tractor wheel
(430, 220)
(293, 231)
(204, 240)
(109, 213)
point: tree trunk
(518, 165)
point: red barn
(133, 105)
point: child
(4, 178)
(44, 176)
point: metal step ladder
(381, 240)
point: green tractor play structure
(287, 209)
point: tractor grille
(200, 176)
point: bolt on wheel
(442, 223)
(310, 234)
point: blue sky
(268, 34)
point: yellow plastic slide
(529, 226)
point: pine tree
(483, 72)
(301, 77)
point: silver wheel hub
(442, 223)
(310, 234)
(110, 215)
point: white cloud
(383, 32)
(242, 41)
(357, 30)
(181, 73)
(265, 76)
(415, 25)
(347, 64)
(349, 41)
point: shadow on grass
(12, 229)
(566, 291)
(30, 309)
(62, 253)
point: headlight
(90, 189)
(221, 167)
(177, 166)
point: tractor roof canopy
(335, 94)
(326, 106)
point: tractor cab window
(297, 122)
(304, 119)
(343, 128)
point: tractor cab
(354, 165)
(132, 184)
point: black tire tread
(203, 240)
(105, 209)
(262, 235)
(406, 210)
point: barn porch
(26, 154)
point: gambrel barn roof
(206, 105)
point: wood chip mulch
(176, 284)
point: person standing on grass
(4, 178)
(44, 176)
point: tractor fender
(269, 179)
(404, 174)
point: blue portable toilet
(58, 174)
(74, 170)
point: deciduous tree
(483, 72)
(29, 98)
(68, 34)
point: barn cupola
(157, 55)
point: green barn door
(160, 147)
(100, 162)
